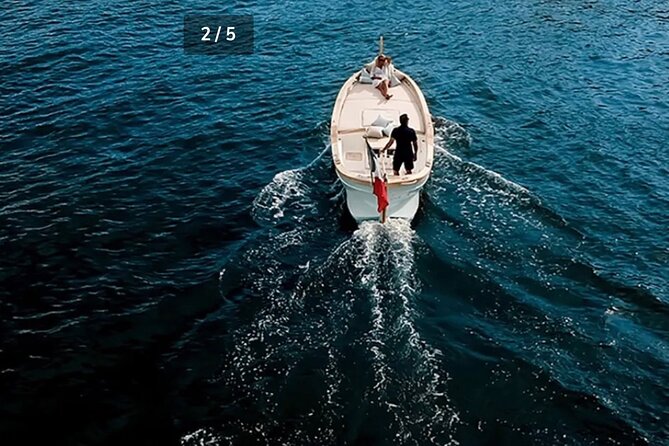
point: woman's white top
(380, 73)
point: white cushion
(374, 131)
(381, 121)
(364, 78)
(370, 114)
(387, 130)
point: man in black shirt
(406, 151)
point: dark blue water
(178, 267)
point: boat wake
(295, 195)
(532, 266)
(334, 333)
(325, 337)
(409, 380)
(450, 138)
(488, 217)
(326, 329)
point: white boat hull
(362, 203)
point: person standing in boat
(380, 75)
(406, 151)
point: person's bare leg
(383, 88)
(386, 86)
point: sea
(178, 265)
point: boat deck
(360, 107)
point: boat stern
(403, 200)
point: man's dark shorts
(404, 156)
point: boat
(357, 107)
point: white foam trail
(282, 333)
(285, 185)
(497, 222)
(288, 189)
(204, 437)
(394, 333)
(266, 346)
(483, 194)
(451, 133)
(285, 330)
(445, 136)
(499, 180)
(368, 235)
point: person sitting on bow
(380, 75)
